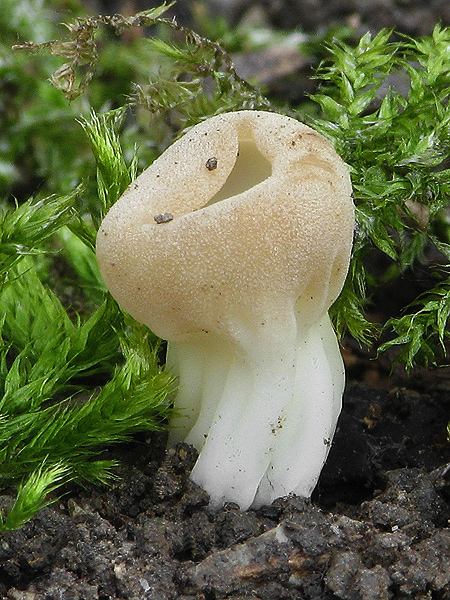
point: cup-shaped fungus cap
(232, 246)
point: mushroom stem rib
(251, 423)
(239, 281)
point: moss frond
(385, 106)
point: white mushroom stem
(249, 423)
(232, 246)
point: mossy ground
(379, 517)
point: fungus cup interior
(239, 278)
(250, 168)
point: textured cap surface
(245, 216)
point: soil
(377, 526)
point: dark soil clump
(377, 526)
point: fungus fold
(239, 280)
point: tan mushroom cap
(204, 238)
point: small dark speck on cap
(211, 163)
(163, 218)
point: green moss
(73, 381)
(397, 144)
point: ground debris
(153, 535)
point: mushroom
(232, 246)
